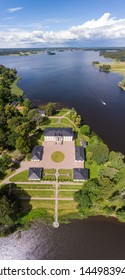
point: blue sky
(50, 23)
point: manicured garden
(35, 186)
(70, 187)
(66, 194)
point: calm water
(93, 238)
(70, 78)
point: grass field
(46, 204)
(67, 208)
(35, 186)
(57, 156)
(41, 204)
(67, 122)
(66, 194)
(93, 169)
(116, 66)
(34, 193)
(65, 171)
(61, 112)
(50, 171)
(53, 121)
(15, 89)
(77, 142)
(21, 177)
(70, 187)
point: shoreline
(116, 67)
(15, 89)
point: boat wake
(93, 93)
(104, 103)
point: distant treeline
(17, 51)
(118, 55)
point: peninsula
(117, 64)
(52, 166)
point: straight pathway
(49, 198)
(56, 223)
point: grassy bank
(15, 89)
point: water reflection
(93, 238)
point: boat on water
(104, 103)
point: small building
(58, 134)
(37, 153)
(42, 113)
(20, 108)
(15, 103)
(80, 174)
(79, 154)
(84, 144)
(35, 173)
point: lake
(91, 239)
(70, 79)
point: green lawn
(21, 177)
(36, 214)
(46, 204)
(35, 186)
(50, 171)
(49, 178)
(65, 171)
(40, 204)
(67, 208)
(57, 156)
(83, 137)
(116, 66)
(35, 193)
(66, 174)
(15, 89)
(70, 187)
(66, 194)
(53, 120)
(52, 125)
(61, 112)
(68, 116)
(67, 122)
(93, 169)
(77, 142)
(65, 178)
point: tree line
(16, 126)
(104, 192)
(119, 55)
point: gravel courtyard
(68, 148)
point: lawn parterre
(57, 156)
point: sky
(62, 23)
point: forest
(104, 192)
(17, 120)
(119, 55)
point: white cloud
(104, 28)
(8, 18)
(13, 10)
